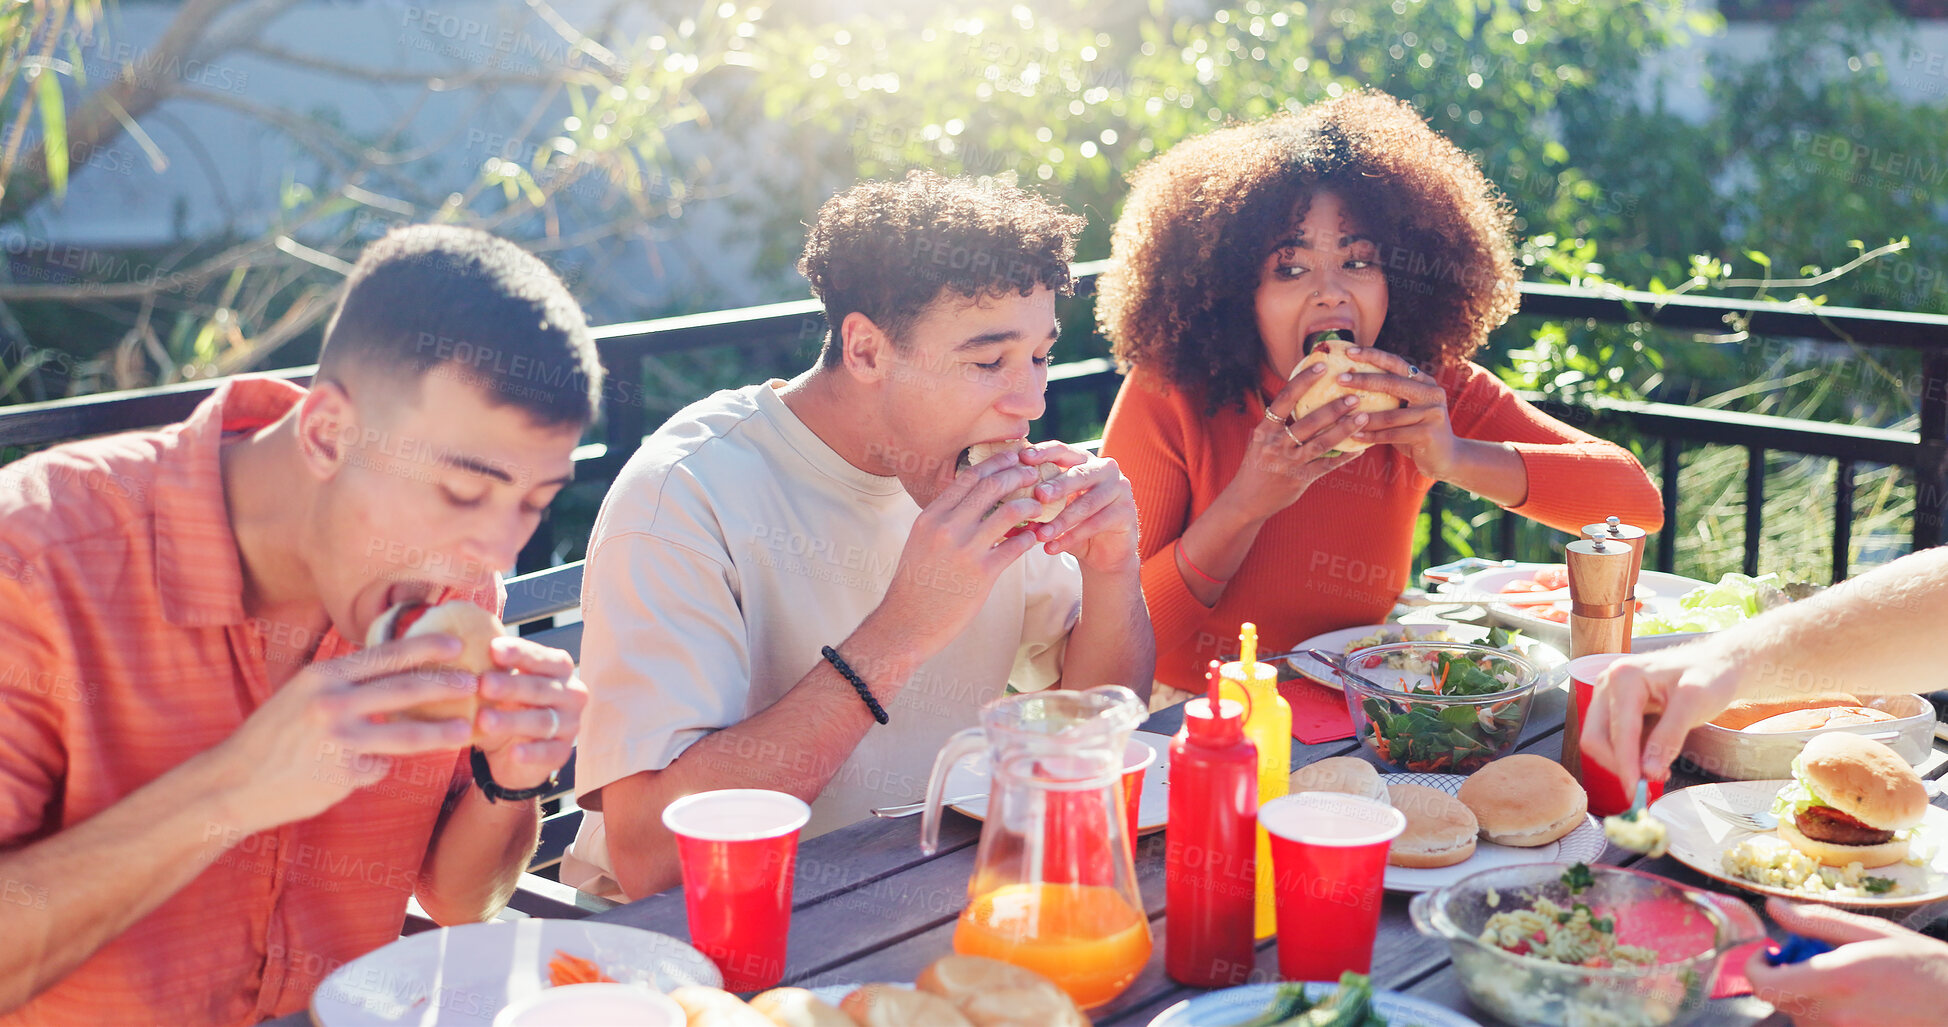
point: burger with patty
(983, 450)
(1851, 800)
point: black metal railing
(1083, 390)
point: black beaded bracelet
(484, 777)
(858, 684)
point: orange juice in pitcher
(1085, 938)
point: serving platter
(1699, 839)
(1584, 844)
(1658, 592)
(465, 975)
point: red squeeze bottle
(1211, 846)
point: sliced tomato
(1552, 578)
(1552, 614)
(1524, 585)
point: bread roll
(1348, 775)
(1440, 828)
(796, 1007)
(889, 1005)
(1746, 712)
(1818, 719)
(1332, 353)
(982, 450)
(714, 1007)
(991, 993)
(476, 629)
(1525, 800)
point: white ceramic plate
(466, 974)
(1658, 592)
(1545, 656)
(970, 777)
(1583, 844)
(1699, 840)
(1237, 1005)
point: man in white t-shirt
(763, 525)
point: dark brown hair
(1200, 220)
(428, 296)
(887, 249)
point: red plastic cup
(1137, 757)
(1329, 862)
(738, 848)
(1607, 794)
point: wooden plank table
(869, 907)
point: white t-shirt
(732, 547)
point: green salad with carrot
(1439, 738)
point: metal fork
(1759, 821)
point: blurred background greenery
(1638, 146)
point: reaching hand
(1881, 975)
(1687, 685)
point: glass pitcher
(1053, 889)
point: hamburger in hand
(1329, 348)
(475, 628)
(1851, 800)
(983, 450)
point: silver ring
(1274, 418)
(554, 724)
(1412, 371)
(1294, 438)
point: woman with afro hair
(1235, 251)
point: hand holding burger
(528, 703)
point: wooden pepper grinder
(1614, 530)
(1599, 598)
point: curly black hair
(1201, 218)
(887, 249)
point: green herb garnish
(1877, 885)
(1578, 878)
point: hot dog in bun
(475, 628)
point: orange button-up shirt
(125, 650)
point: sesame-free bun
(1865, 780)
(1834, 854)
(982, 450)
(1348, 775)
(1746, 712)
(1332, 353)
(1525, 800)
(715, 1007)
(1817, 719)
(990, 993)
(796, 1007)
(1440, 829)
(475, 628)
(889, 1005)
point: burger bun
(796, 1007)
(889, 1005)
(1440, 829)
(476, 629)
(1525, 800)
(983, 450)
(991, 993)
(1865, 780)
(1348, 775)
(715, 1007)
(1332, 353)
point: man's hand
(1687, 686)
(1881, 975)
(327, 732)
(958, 546)
(1098, 524)
(523, 742)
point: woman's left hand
(1419, 428)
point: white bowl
(593, 1005)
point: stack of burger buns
(955, 991)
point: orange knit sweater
(1341, 554)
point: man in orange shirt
(186, 711)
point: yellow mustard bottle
(1269, 726)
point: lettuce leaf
(1798, 796)
(1710, 607)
